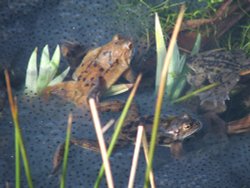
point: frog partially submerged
(171, 133)
(98, 71)
(216, 66)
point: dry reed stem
(107, 126)
(140, 130)
(9, 92)
(145, 149)
(101, 142)
(239, 126)
(244, 72)
(118, 128)
(161, 92)
(19, 145)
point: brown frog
(171, 133)
(216, 66)
(98, 71)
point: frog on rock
(98, 71)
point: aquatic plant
(175, 76)
(36, 82)
(240, 42)
(66, 153)
(117, 89)
(245, 39)
(19, 145)
(160, 93)
(118, 128)
(176, 80)
(168, 10)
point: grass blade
(15, 120)
(117, 89)
(194, 93)
(17, 161)
(118, 128)
(145, 149)
(31, 72)
(66, 153)
(161, 94)
(18, 135)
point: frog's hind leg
(113, 106)
(84, 143)
(71, 91)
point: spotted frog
(98, 71)
(172, 129)
(171, 133)
(216, 66)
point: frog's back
(216, 66)
(107, 62)
(216, 61)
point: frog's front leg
(88, 144)
(176, 149)
(96, 91)
(129, 75)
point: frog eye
(116, 37)
(187, 126)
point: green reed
(66, 152)
(19, 146)
(194, 93)
(161, 92)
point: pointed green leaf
(197, 45)
(117, 89)
(176, 65)
(54, 62)
(160, 49)
(60, 77)
(44, 70)
(175, 74)
(31, 72)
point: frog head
(182, 127)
